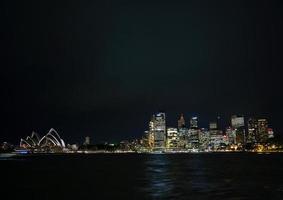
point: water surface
(144, 176)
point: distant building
(231, 134)
(258, 130)
(194, 123)
(193, 138)
(181, 122)
(158, 129)
(252, 130)
(183, 134)
(238, 125)
(262, 130)
(212, 125)
(237, 121)
(87, 140)
(204, 139)
(218, 123)
(270, 133)
(172, 138)
(216, 140)
(49, 142)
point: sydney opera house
(49, 142)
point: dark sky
(101, 68)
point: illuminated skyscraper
(150, 135)
(183, 135)
(194, 123)
(181, 122)
(159, 130)
(257, 130)
(238, 124)
(87, 140)
(231, 134)
(193, 138)
(172, 138)
(252, 129)
(212, 125)
(262, 130)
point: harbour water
(143, 176)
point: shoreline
(13, 154)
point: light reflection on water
(210, 177)
(166, 177)
(160, 179)
(143, 176)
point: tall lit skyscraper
(159, 130)
(257, 130)
(181, 122)
(262, 132)
(252, 129)
(194, 123)
(238, 124)
(231, 134)
(212, 125)
(172, 138)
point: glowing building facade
(172, 138)
(51, 140)
(158, 130)
(194, 123)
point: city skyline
(220, 122)
(182, 122)
(83, 66)
(243, 134)
(143, 99)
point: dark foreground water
(139, 176)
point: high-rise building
(193, 138)
(237, 121)
(159, 130)
(183, 135)
(172, 138)
(238, 125)
(258, 130)
(212, 125)
(181, 122)
(194, 123)
(204, 139)
(231, 134)
(150, 135)
(262, 130)
(87, 140)
(252, 129)
(218, 123)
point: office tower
(183, 137)
(204, 139)
(193, 138)
(150, 135)
(87, 140)
(252, 129)
(262, 130)
(159, 130)
(181, 122)
(237, 121)
(212, 125)
(218, 123)
(194, 123)
(238, 124)
(231, 134)
(172, 138)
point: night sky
(101, 68)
